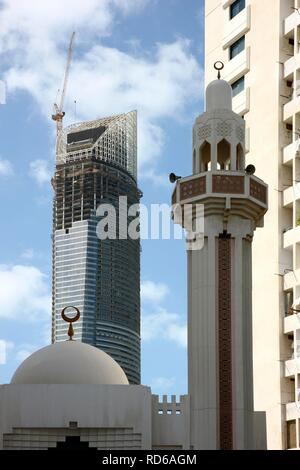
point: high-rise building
(258, 41)
(96, 165)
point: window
(238, 86)
(236, 8)
(237, 47)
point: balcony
(241, 102)
(291, 108)
(292, 64)
(291, 22)
(291, 323)
(290, 195)
(291, 279)
(290, 151)
(292, 411)
(292, 367)
(291, 237)
(238, 66)
(237, 27)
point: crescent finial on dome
(70, 320)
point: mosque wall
(104, 416)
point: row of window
(238, 46)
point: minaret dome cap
(218, 95)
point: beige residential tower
(259, 43)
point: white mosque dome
(70, 362)
(218, 95)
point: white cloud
(33, 19)
(28, 253)
(39, 170)
(6, 168)
(5, 346)
(153, 292)
(131, 6)
(103, 80)
(161, 324)
(178, 333)
(163, 383)
(164, 325)
(2, 92)
(24, 293)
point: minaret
(220, 375)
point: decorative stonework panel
(204, 132)
(225, 353)
(258, 191)
(228, 184)
(192, 188)
(240, 134)
(224, 129)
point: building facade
(258, 41)
(96, 165)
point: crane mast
(59, 113)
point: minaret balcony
(240, 193)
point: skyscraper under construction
(96, 164)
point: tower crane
(58, 113)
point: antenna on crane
(58, 113)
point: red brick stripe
(225, 359)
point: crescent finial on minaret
(219, 66)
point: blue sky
(129, 54)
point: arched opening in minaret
(194, 162)
(224, 155)
(240, 164)
(205, 156)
